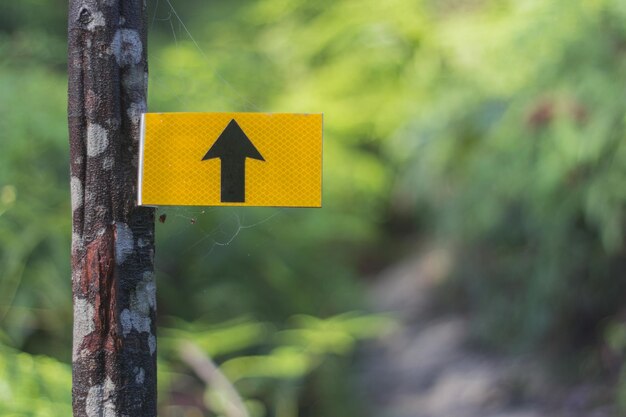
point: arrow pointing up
(233, 147)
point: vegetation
(494, 128)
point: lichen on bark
(114, 365)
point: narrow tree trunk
(114, 352)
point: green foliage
(34, 210)
(33, 386)
(267, 367)
(527, 172)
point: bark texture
(114, 351)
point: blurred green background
(492, 128)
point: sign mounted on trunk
(230, 159)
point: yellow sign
(230, 159)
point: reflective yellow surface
(173, 173)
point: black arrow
(233, 147)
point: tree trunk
(114, 350)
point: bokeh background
(469, 259)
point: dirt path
(426, 367)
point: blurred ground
(429, 368)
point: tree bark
(114, 348)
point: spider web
(217, 229)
